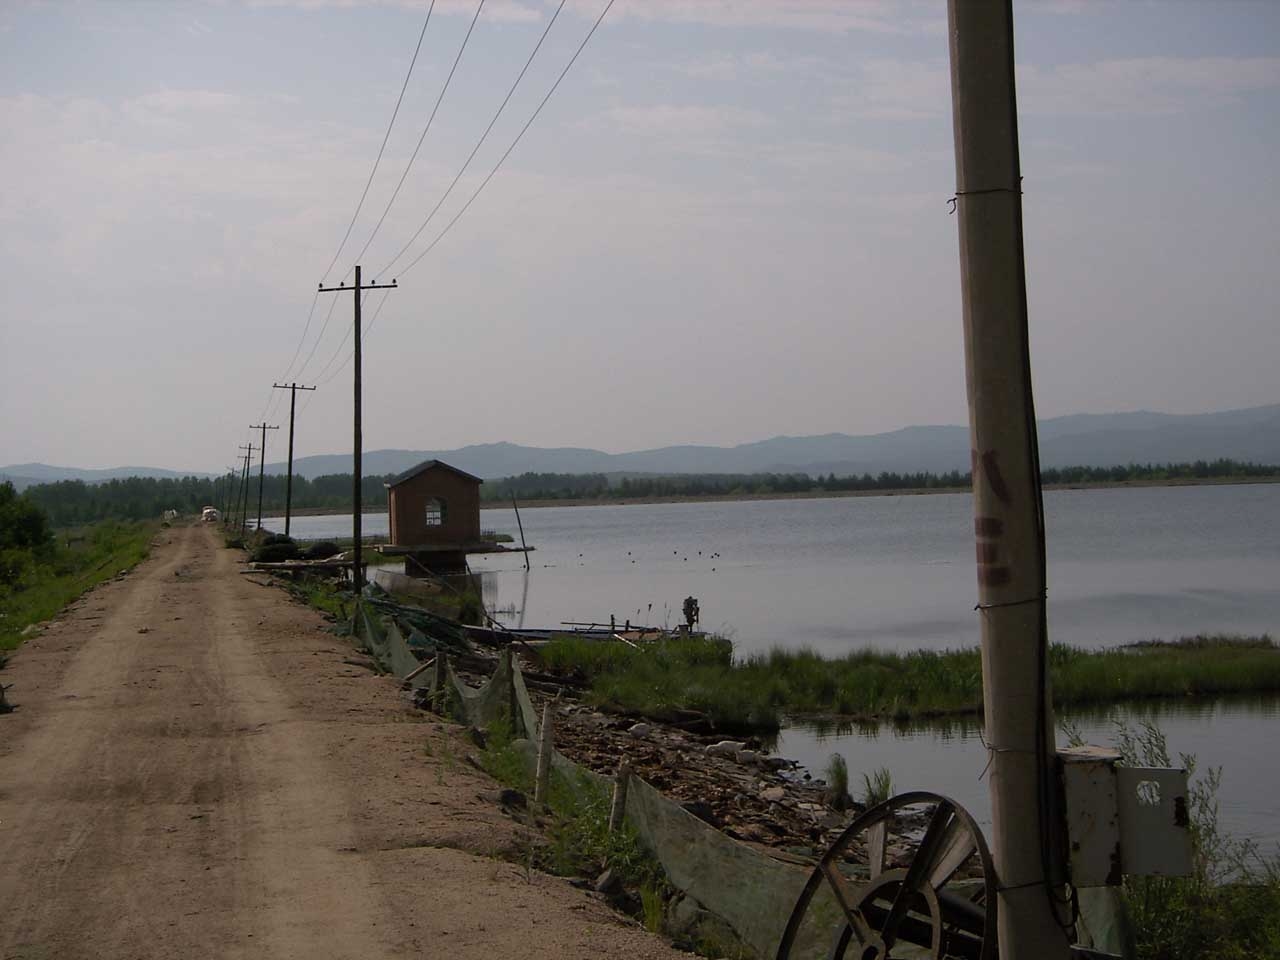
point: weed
(877, 787)
(663, 678)
(1229, 907)
(653, 904)
(57, 575)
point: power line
(364, 194)
(480, 142)
(478, 190)
(323, 327)
(484, 183)
(385, 137)
(430, 119)
(342, 366)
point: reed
(664, 678)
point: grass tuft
(661, 679)
(72, 565)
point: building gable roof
(423, 467)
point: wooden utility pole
(225, 505)
(357, 574)
(293, 389)
(244, 488)
(262, 462)
(1007, 504)
(516, 507)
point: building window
(435, 512)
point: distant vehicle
(209, 514)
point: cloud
(898, 89)
(503, 11)
(1144, 85)
(841, 16)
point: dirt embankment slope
(197, 770)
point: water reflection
(948, 756)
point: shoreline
(804, 495)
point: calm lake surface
(897, 573)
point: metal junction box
(1123, 820)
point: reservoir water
(897, 572)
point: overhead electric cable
(363, 333)
(323, 327)
(364, 193)
(385, 137)
(479, 143)
(414, 156)
(484, 183)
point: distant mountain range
(1109, 439)
(23, 475)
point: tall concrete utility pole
(357, 442)
(244, 488)
(262, 462)
(1008, 512)
(293, 389)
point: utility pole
(225, 506)
(243, 504)
(1007, 504)
(262, 463)
(293, 389)
(357, 442)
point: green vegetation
(579, 840)
(599, 486)
(662, 679)
(71, 502)
(41, 573)
(837, 775)
(1229, 908)
(877, 787)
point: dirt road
(197, 770)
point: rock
(726, 748)
(608, 882)
(773, 794)
(703, 811)
(513, 798)
(640, 730)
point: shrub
(1229, 907)
(321, 551)
(276, 552)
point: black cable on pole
(385, 137)
(363, 195)
(323, 327)
(414, 156)
(431, 246)
(479, 143)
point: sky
(728, 222)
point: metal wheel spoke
(848, 898)
(876, 837)
(919, 903)
(956, 847)
(919, 871)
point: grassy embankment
(74, 562)
(753, 694)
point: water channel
(896, 572)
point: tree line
(73, 502)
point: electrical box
(1123, 820)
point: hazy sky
(730, 221)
